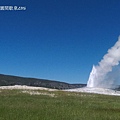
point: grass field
(57, 105)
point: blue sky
(57, 39)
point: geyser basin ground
(96, 90)
(84, 89)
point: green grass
(15, 105)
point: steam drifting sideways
(107, 73)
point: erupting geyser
(101, 75)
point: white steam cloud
(107, 72)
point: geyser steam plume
(102, 75)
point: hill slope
(6, 80)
